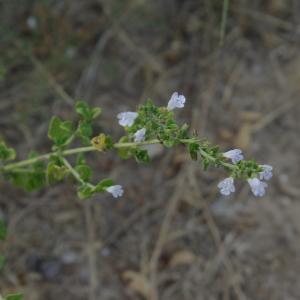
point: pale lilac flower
(176, 101)
(139, 136)
(257, 187)
(226, 186)
(115, 190)
(266, 173)
(235, 155)
(127, 118)
(31, 22)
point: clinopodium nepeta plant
(150, 124)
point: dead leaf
(244, 136)
(250, 116)
(139, 284)
(225, 134)
(182, 257)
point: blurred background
(172, 236)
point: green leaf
(55, 172)
(83, 110)
(85, 129)
(96, 111)
(193, 150)
(2, 261)
(60, 131)
(142, 156)
(80, 159)
(103, 185)
(84, 171)
(87, 113)
(205, 163)
(247, 169)
(28, 180)
(124, 153)
(38, 165)
(6, 153)
(13, 297)
(169, 143)
(85, 191)
(2, 230)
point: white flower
(176, 101)
(226, 186)
(235, 155)
(127, 118)
(139, 136)
(266, 173)
(31, 22)
(257, 187)
(115, 190)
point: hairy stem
(68, 152)
(47, 156)
(73, 171)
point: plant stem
(224, 164)
(68, 152)
(73, 171)
(224, 21)
(47, 156)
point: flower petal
(257, 186)
(115, 190)
(226, 186)
(235, 155)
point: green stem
(68, 152)
(224, 164)
(73, 171)
(208, 156)
(44, 157)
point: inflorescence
(150, 124)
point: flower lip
(139, 136)
(176, 101)
(115, 190)
(127, 118)
(226, 186)
(257, 186)
(235, 155)
(266, 173)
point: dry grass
(172, 236)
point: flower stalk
(44, 157)
(150, 124)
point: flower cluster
(158, 122)
(249, 170)
(257, 185)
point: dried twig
(92, 260)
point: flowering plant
(150, 124)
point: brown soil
(172, 236)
